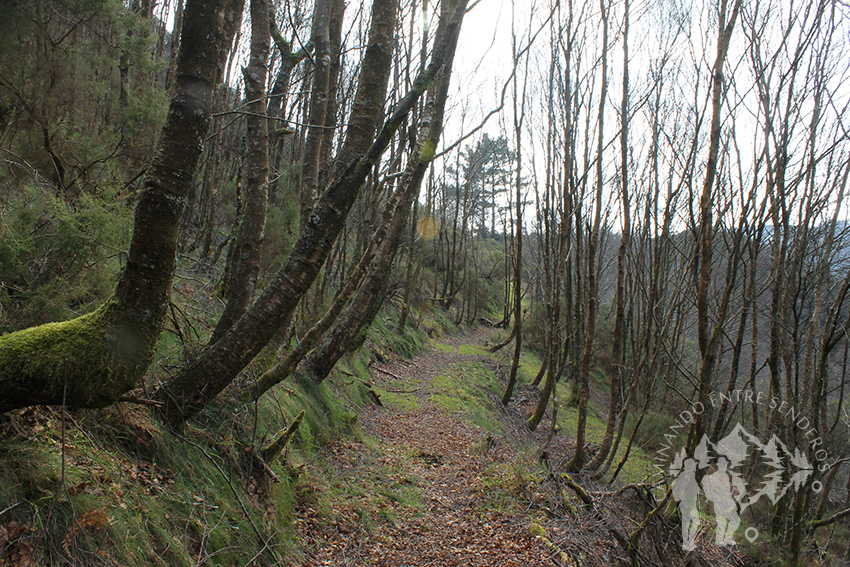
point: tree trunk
(519, 116)
(318, 108)
(517, 298)
(250, 234)
(277, 105)
(365, 305)
(615, 375)
(708, 340)
(284, 368)
(197, 384)
(92, 360)
(577, 462)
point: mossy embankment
(113, 486)
(399, 454)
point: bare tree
(577, 461)
(708, 340)
(199, 382)
(617, 341)
(247, 244)
(518, 118)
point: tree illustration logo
(717, 472)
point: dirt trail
(444, 459)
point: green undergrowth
(115, 488)
(509, 486)
(637, 468)
(126, 492)
(384, 332)
(471, 350)
(352, 485)
(436, 324)
(471, 389)
(441, 347)
(400, 395)
(529, 366)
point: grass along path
(431, 485)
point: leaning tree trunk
(366, 304)
(284, 367)
(92, 360)
(198, 383)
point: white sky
(483, 63)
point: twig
(831, 519)
(556, 550)
(262, 462)
(176, 324)
(580, 492)
(140, 401)
(388, 373)
(634, 537)
(12, 507)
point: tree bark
(92, 360)
(615, 375)
(284, 368)
(198, 383)
(519, 115)
(576, 463)
(250, 234)
(366, 304)
(707, 340)
(277, 105)
(318, 108)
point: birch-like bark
(250, 233)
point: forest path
(426, 495)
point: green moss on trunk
(89, 361)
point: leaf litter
(435, 454)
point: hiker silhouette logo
(715, 474)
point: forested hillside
(599, 249)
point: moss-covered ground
(400, 455)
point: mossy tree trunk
(283, 368)
(198, 383)
(92, 360)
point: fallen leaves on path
(445, 459)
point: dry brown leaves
(94, 521)
(16, 547)
(436, 452)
